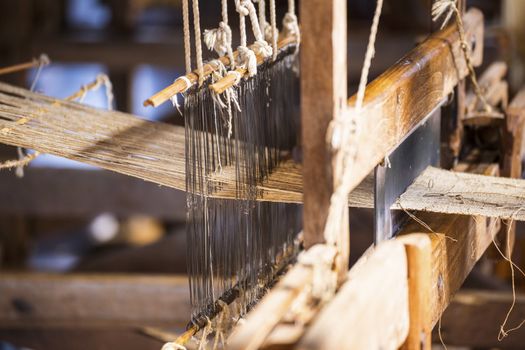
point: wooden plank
(323, 96)
(443, 191)
(28, 300)
(457, 244)
(277, 303)
(495, 89)
(473, 319)
(512, 137)
(402, 96)
(370, 310)
(418, 250)
(52, 192)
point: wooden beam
(418, 250)
(52, 192)
(275, 305)
(323, 96)
(444, 191)
(513, 137)
(29, 300)
(402, 96)
(474, 317)
(370, 310)
(155, 151)
(457, 244)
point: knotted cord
(220, 39)
(449, 8)
(291, 23)
(198, 44)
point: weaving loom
(247, 172)
(237, 246)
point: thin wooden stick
(229, 80)
(43, 60)
(180, 85)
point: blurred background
(65, 217)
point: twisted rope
(198, 44)
(187, 35)
(220, 39)
(291, 23)
(449, 8)
(275, 31)
(348, 150)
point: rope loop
(248, 60)
(261, 47)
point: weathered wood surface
(63, 300)
(51, 192)
(458, 242)
(278, 302)
(443, 191)
(402, 96)
(473, 319)
(323, 100)
(512, 137)
(418, 249)
(496, 92)
(370, 310)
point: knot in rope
(242, 7)
(218, 39)
(262, 48)
(43, 60)
(248, 60)
(291, 25)
(270, 32)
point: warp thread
(25, 158)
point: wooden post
(323, 98)
(418, 250)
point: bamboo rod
(42, 60)
(180, 85)
(230, 79)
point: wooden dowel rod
(229, 80)
(180, 85)
(42, 60)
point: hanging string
(220, 39)
(23, 157)
(198, 44)
(187, 35)
(449, 8)
(266, 28)
(291, 23)
(370, 52)
(247, 57)
(340, 129)
(275, 31)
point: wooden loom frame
(426, 269)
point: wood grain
(370, 310)
(323, 99)
(419, 251)
(402, 96)
(62, 300)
